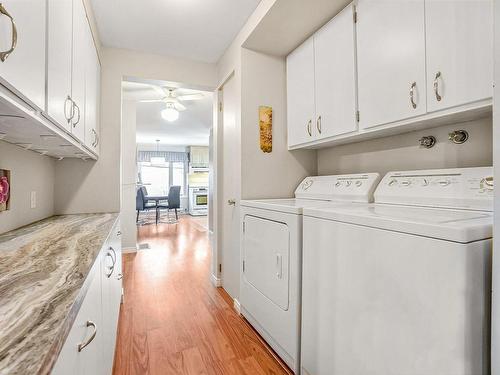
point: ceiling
(191, 129)
(198, 30)
(289, 22)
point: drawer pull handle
(119, 233)
(119, 276)
(318, 124)
(113, 258)
(5, 54)
(309, 130)
(82, 346)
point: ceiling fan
(171, 100)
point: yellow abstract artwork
(266, 128)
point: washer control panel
(354, 188)
(466, 188)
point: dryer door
(266, 245)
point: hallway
(173, 321)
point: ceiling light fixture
(170, 113)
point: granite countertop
(43, 267)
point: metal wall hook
(427, 141)
(458, 136)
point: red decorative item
(4, 190)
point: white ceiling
(198, 30)
(191, 129)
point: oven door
(200, 199)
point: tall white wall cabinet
(50, 78)
(383, 67)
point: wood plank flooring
(173, 321)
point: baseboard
(126, 250)
(237, 306)
(217, 282)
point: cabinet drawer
(75, 358)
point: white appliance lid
(349, 187)
(447, 224)
(288, 205)
(463, 188)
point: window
(178, 175)
(157, 178)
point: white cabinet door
(60, 40)
(391, 60)
(335, 76)
(92, 87)
(89, 360)
(300, 94)
(111, 296)
(80, 30)
(459, 42)
(24, 68)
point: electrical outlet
(33, 199)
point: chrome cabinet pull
(318, 124)
(436, 86)
(113, 258)
(231, 202)
(94, 142)
(119, 276)
(78, 110)
(72, 109)
(412, 94)
(119, 233)
(5, 54)
(309, 128)
(82, 346)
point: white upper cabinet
(459, 45)
(335, 76)
(391, 61)
(300, 94)
(80, 30)
(22, 33)
(92, 89)
(60, 39)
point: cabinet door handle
(412, 94)
(94, 142)
(436, 86)
(119, 276)
(279, 266)
(113, 258)
(72, 109)
(231, 202)
(318, 124)
(82, 346)
(78, 111)
(309, 128)
(5, 54)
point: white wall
(29, 172)
(95, 186)
(402, 152)
(275, 174)
(129, 176)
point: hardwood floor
(173, 321)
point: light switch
(33, 199)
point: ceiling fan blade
(179, 107)
(160, 90)
(191, 97)
(151, 101)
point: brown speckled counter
(43, 267)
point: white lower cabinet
(90, 345)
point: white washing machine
(271, 252)
(402, 286)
